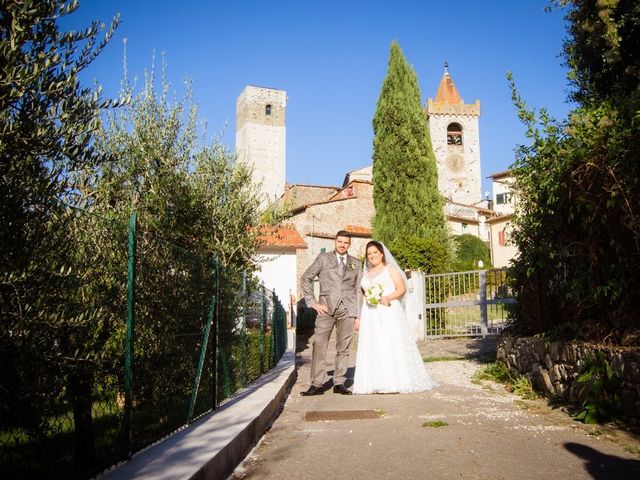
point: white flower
(374, 294)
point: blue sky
(331, 58)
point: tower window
(267, 109)
(454, 134)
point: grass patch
(522, 387)
(514, 382)
(634, 449)
(496, 372)
(435, 424)
(380, 412)
(445, 358)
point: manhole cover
(341, 415)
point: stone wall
(261, 138)
(553, 368)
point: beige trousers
(344, 332)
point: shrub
(598, 387)
(470, 249)
(425, 254)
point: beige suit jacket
(334, 287)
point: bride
(388, 360)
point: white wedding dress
(388, 359)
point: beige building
(504, 199)
(500, 226)
(502, 248)
(347, 208)
(467, 219)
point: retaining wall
(552, 367)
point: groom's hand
(356, 324)
(320, 308)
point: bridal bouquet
(374, 294)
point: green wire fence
(114, 338)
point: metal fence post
(214, 341)
(283, 328)
(280, 349)
(203, 347)
(484, 329)
(129, 339)
(294, 318)
(263, 322)
(274, 329)
(285, 337)
(243, 335)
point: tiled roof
(447, 91)
(502, 174)
(299, 195)
(451, 203)
(456, 218)
(330, 200)
(359, 231)
(501, 218)
(448, 101)
(281, 236)
(355, 230)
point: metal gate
(466, 303)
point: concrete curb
(214, 445)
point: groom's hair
(343, 233)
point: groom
(338, 305)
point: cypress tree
(405, 175)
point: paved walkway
(489, 433)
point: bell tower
(455, 138)
(261, 138)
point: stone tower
(261, 137)
(455, 138)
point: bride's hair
(378, 245)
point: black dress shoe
(312, 390)
(341, 389)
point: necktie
(342, 265)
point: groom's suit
(342, 295)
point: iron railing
(467, 303)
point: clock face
(455, 162)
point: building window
(267, 109)
(464, 227)
(504, 237)
(454, 134)
(504, 198)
